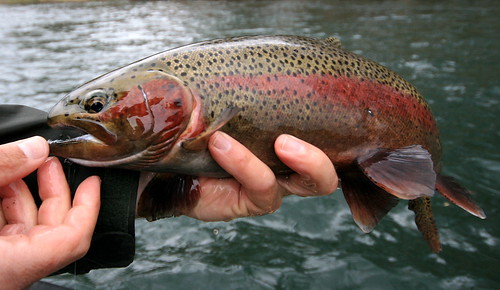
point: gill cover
(127, 118)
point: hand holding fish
(255, 190)
(36, 242)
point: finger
(258, 182)
(20, 158)
(315, 175)
(49, 248)
(19, 209)
(220, 200)
(54, 192)
(83, 215)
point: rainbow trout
(157, 114)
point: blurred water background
(448, 49)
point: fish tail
(448, 187)
(425, 222)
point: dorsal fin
(333, 41)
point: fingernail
(292, 145)
(34, 147)
(221, 142)
(98, 178)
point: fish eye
(95, 101)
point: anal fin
(448, 187)
(368, 203)
(425, 222)
(168, 195)
(405, 172)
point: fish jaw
(85, 123)
(101, 146)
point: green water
(448, 50)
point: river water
(447, 49)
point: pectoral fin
(368, 203)
(168, 195)
(405, 172)
(200, 142)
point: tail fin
(448, 187)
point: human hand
(255, 190)
(36, 242)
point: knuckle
(266, 182)
(10, 160)
(328, 185)
(264, 204)
(266, 209)
(78, 244)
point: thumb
(20, 158)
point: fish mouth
(86, 149)
(81, 131)
(84, 138)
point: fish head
(127, 118)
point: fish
(157, 114)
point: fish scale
(158, 113)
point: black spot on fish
(178, 103)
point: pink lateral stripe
(338, 90)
